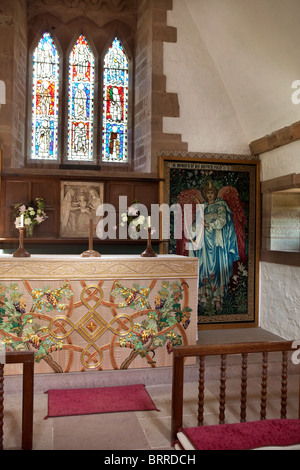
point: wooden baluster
(222, 390)
(201, 391)
(27, 405)
(299, 398)
(284, 366)
(1, 405)
(177, 395)
(244, 387)
(264, 381)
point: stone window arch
(79, 134)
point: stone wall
(13, 57)
(143, 89)
(153, 102)
(143, 25)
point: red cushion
(242, 436)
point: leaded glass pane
(115, 105)
(45, 100)
(81, 101)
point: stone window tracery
(83, 113)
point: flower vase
(29, 231)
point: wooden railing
(223, 350)
(27, 359)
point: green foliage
(237, 292)
(18, 326)
(33, 214)
(157, 328)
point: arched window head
(115, 105)
(81, 101)
(45, 100)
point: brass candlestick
(21, 251)
(90, 253)
(149, 252)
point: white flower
(39, 219)
(132, 210)
(18, 222)
(140, 220)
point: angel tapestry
(219, 233)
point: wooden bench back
(27, 359)
(223, 350)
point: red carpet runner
(84, 401)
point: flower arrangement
(136, 222)
(33, 214)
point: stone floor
(149, 430)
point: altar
(113, 312)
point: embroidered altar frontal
(113, 312)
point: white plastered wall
(280, 284)
(233, 67)
(208, 121)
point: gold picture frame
(228, 254)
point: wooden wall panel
(46, 189)
(14, 191)
(117, 189)
(50, 192)
(26, 189)
(146, 193)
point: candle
(91, 235)
(22, 220)
(149, 222)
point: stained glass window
(115, 105)
(80, 93)
(81, 101)
(45, 100)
